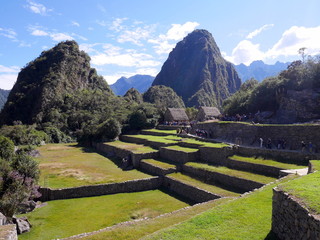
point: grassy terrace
(249, 123)
(183, 149)
(248, 217)
(68, 165)
(135, 148)
(316, 164)
(205, 144)
(306, 189)
(158, 163)
(202, 185)
(266, 162)
(232, 172)
(161, 139)
(168, 132)
(144, 228)
(64, 218)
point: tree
(6, 148)
(137, 120)
(110, 129)
(301, 51)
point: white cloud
(8, 33)
(287, 46)
(136, 35)
(37, 32)
(117, 24)
(163, 44)
(74, 23)
(37, 8)
(8, 76)
(259, 30)
(101, 23)
(79, 36)
(60, 37)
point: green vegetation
(64, 218)
(232, 172)
(248, 217)
(183, 149)
(146, 227)
(265, 162)
(315, 164)
(205, 144)
(197, 183)
(160, 164)
(160, 139)
(135, 148)
(164, 132)
(68, 165)
(306, 189)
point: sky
(128, 37)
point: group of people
(305, 147)
(237, 117)
(281, 144)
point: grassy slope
(183, 149)
(162, 139)
(171, 132)
(64, 218)
(144, 228)
(135, 148)
(66, 165)
(232, 172)
(266, 162)
(202, 185)
(160, 164)
(248, 217)
(306, 189)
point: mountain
(3, 97)
(259, 70)
(197, 72)
(59, 88)
(139, 82)
(163, 97)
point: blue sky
(128, 37)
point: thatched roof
(178, 114)
(210, 111)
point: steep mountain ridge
(139, 82)
(197, 72)
(3, 97)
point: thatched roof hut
(176, 115)
(207, 113)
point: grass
(161, 139)
(266, 162)
(169, 132)
(64, 218)
(67, 165)
(182, 149)
(160, 164)
(265, 124)
(205, 144)
(316, 164)
(306, 189)
(248, 217)
(135, 148)
(202, 185)
(231, 172)
(144, 228)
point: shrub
(110, 129)
(137, 120)
(6, 148)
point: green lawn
(135, 148)
(248, 217)
(144, 228)
(68, 165)
(266, 162)
(306, 189)
(316, 164)
(205, 144)
(64, 218)
(169, 132)
(236, 173)
(158, 163)
(183, 149)
(197, 183)
(161, 139)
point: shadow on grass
(271, 236)
(176, 196)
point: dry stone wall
(155, 170)
(178, 156)
(8, 232)
(215, 155)
(187, 191)
(249, 134)
(290, 220)
(241, 184)
(49, 194)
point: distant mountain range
(139, 82)
(259, 70)
(3, 97)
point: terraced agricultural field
(63, 218)
(68, 165)
(135, 148)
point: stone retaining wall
(49, 194)
(155, 133)
(187, 191)
(178, 156)
(155, 170)
(8, 232)
(132, 139)
(241, 184)
(215, 155)
(290, 220)
(249, 134)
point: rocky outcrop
(298, 106)
(197, 72)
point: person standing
(261, 142)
